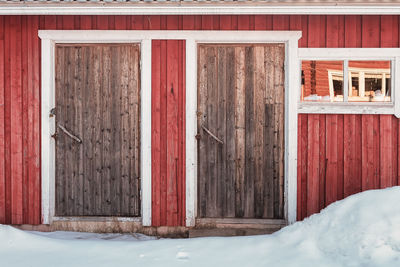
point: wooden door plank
(221, 130)
(91, 58)
(134, 137)
(279, 122)
(240, 132)
(202, 118)
(106, 131)
(269, 133)
(212, 126)
(259, 119)
(249, 133)
(230, 134)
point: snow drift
(361, 230)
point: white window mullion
(346, 81)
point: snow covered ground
(362, 230)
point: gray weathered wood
(241, 102)
(97, 96)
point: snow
(361, 230)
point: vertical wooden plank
(280, 22)
(172, 131)
(134, 148)
(269, 133)
(335, 30)
(2, 128)
(79, 77)
(340, 149)
(316, 31)
(353, 29)
(120, 22)
(137, 22)
(182, 132)
(331, 184)
(260, 22)
(115, 189)
(370, 150)
(25, 124)
(91, 65)
(302, 210)
(124, 131)
(386, 143)
(221, 129)
(389, 31)
(86, 22)
(16, 121)
(352, 154)
(188, 22)
(156, 132)
(163, 169)
(249, 132)
(300, 23)
(395, 152)
(313, 164)
(202, 118)
(7, 116)
(59, 83)
(34, 114)
(371, 31)
(212, 125)
(279, 129)
(240, 131)
(68, 22)
(322, 160)
(259, 120)
(243, 22)
(106, 148)
(225, 22)
(207, 22)
(230, 133)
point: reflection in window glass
(322, 81)
(369, 81)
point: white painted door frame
(192, 38)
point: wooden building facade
(241, 130)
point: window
(368, 81)
(349, 80)
(322, 80)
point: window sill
(346, 108)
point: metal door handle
(212, 135)
(76, 138)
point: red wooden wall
(20, 111)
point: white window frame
(193, 38)
(350, 54)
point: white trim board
(194, 9)
(292, 89)
(346, 54)
(49, 39)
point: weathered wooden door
(98, 136)
(241, 131)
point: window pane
(322, 80)
(369, 81)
